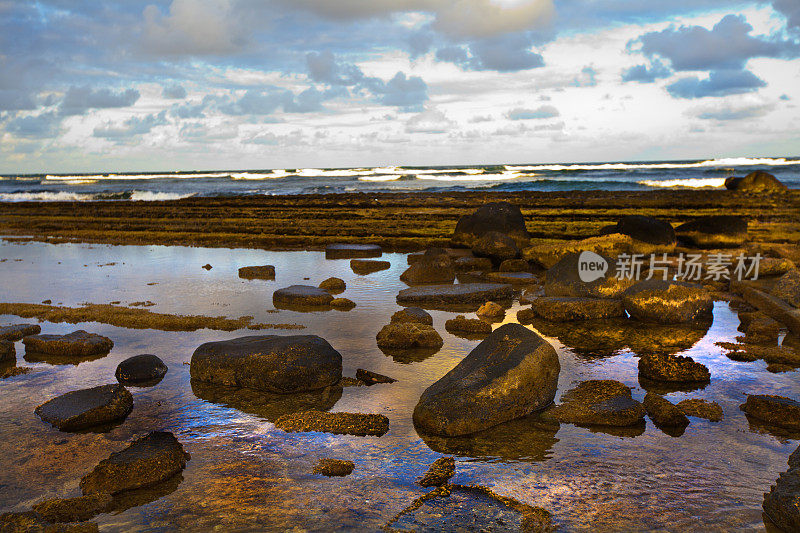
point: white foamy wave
(726, 162)
(381, 177)
(151, 196)
(275, 174)
(502, 176)
(688, 183)
(60, 196)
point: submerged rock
(782, 503)
(439, 473)
(413, 314)
(333, 285)
(272, 363)
(668, 302)
(16, 332)
(337, 423)
(663, 413)
(141, 369)
(463, 293)
(717, 231)
(496, 246)
(76, 344)
(368, 266)
(372, 378)
(510, 374)
(301, 296)
(343, 304)
(756, 182)
(145, 462)
(266, 272)
(408, 335)
(672, 368)
(563, 279)
(352, 251)
(474, 326)
(334, 467)
(501, 217)
(77, 509)
(774, 410)
(563, 309)
(647, 229)
(597, 402)
(87, 408)
(8, 354)
(788, 288)
(701, 409)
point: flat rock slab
(352, 251)
(368, 266)
(334, 467)
(597, 402)
(557, 309)
(337, 423)
(16, 332)
(300, 296)
(143, 368)
(266, 272)
(462, 293)
(668, 302)
(513, 278)
(776, 411)
(83, 409)
(774, 307)
(271, 363)
(76, 344)
(147, 461)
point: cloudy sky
(246, 84)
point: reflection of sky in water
(243, 471)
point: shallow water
(246, 474)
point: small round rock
(140, 369)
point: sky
(259, 84)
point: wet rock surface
(368, 266)
(334, 467)
(439, 473)
(612, 245)
(8, 353)
(272, 363)
(87, 408)
(513, 278)
(782, 502)
(514, 265)
(462, 324)
(76, 344)
(266, 272)
(343, 304)
(563, 280)
(496, 246)
(773, 410)
(337, 423)
(491, 310)
(413, 314)
(564, 309)
(372, 378)
(469, 264)
(431, 268)
(299, 296)
(788, 288)
(668, 302)
(333, 285)
(597, 402)
(756, 182)
(352, 251)
(408, 335)
(33, 522)
(147, 461)
(647, 229)
(717, 231)
(701, 409)
(510, 374)
(463, 293)
(16, 332)
(672, 368)
(664, 413)
(78, 509)
(141, 369)
(501, 217)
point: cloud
(729, 113)
(431, 120)
(644, 74)
(791, 9)
(718, 83)
(545, 111)
(480, 118)
(78, 100)
(727, 46)
(174, 92)
(587, 78)
(401, 91)
(323, 68)
(16, 100)
(39, 126)
(131, 127)
(507, 53)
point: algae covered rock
(663, 413)
(333, 285)
(496, 246)
(87, 408)
(773, 410)
(756, 182)
(564, 278)
(76, 344)
(16, 332)
(717, 231)
(334, 467)
(266, 272)
(413, 314)
(700, 408)
(408, 335)
(439, 473)
(363, 267)
(564, 309)
(668, 302)
(337, 423)
(500, 217)
(301, 296)
(597, 402)
(646, 229)
(672, 368)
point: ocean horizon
(701, 174)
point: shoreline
(399, 222)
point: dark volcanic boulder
(756, 182)
(257, 272)
(510, 374)
(668, 302)
(597, 402)
(563, 278)
(408, 335)
(557, 309)
(501, 217)
(16, 332)
(141, 369)
(368, 266)
(782, 503)
(301, 296)
(352, 251)
(430, 269)
(496, 246)
(87, 408)
(672, 368)
(76, 344)
(647, 229)
(7, 352)
(462, 293)
(145, 462)
(718, 231)
(662, 412)
(413, 314)
(787, 288)
(776, 411)
(272, 363)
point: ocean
(620, 176)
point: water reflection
(409, 355)
(63, 360)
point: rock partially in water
(446, 295)
(565, 309)
(16, 332)
(701, 409)
(271, 363)
(491, 310)
(33, 522)
(408, 335)
(363, 267)
(501, 217)
(647, 229)
(663, 413)
(337, 423)
(472, 326)
(78, 509)
(87, 408)
(514, 265)
(352, 251)
(431, 268)
(563, 280)
(266, 272)
(788, 288)
(513, 278)
(597, 402)
(496, 246)
(470, 263)
(333, 285)
(716, 231)
(673, 368)
(668, 302)
(76, 344)
(8, 354)
(512, 373)
(439, 473)
(756, 182)
(413, 314)
(782, 502)
(774, 410)
(343, 304)
(147, 461)
(547, 255)
(372, 378)
(762, 329)
(334, 467)
(300, 297)
(141, 369)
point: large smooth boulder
(501, 217)
(564, 278)
(774, 410)
(76, 344)
(87, 408)
(496, 246)
(597, 402)
(558, 309)
(144, 368)
(147, 461)
(511, 373)
(462, 293)
(718, 231)
(782, 502)
(647, 229)
(787, 288)
(668, 302)
(756, 182)
(408, 335)
(352, 251)
(430, 269)
(16, 332)
(271, 363)
(299, 296)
